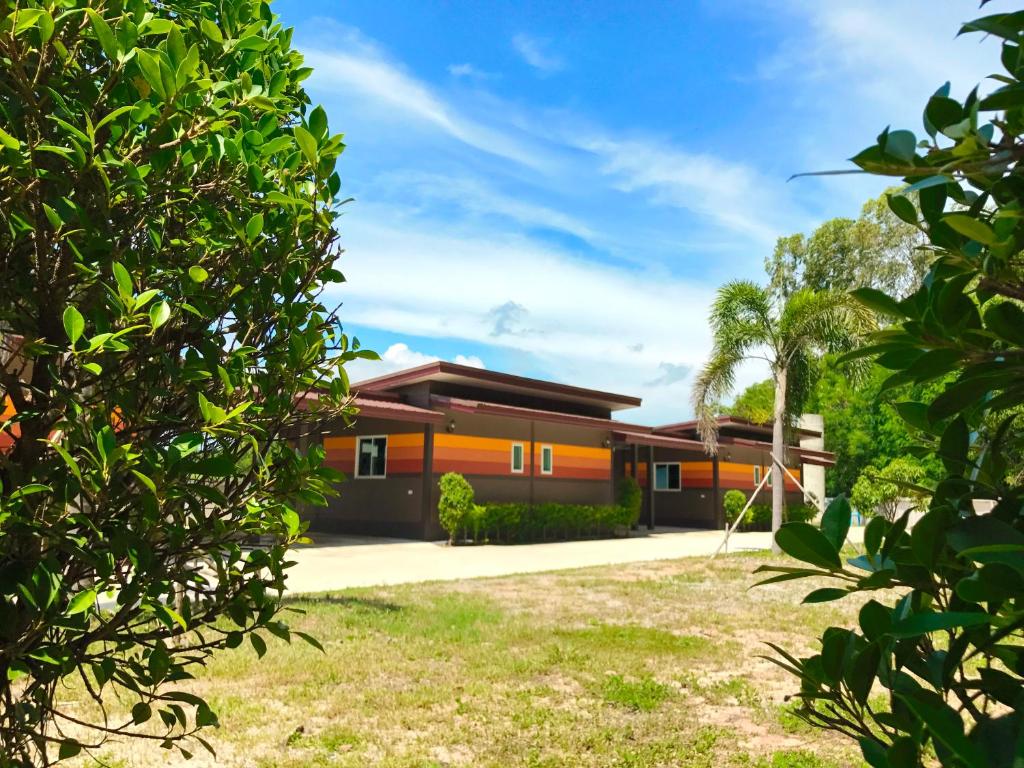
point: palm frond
(712, 384)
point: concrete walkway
(337, 562)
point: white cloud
(355, 66)
(532, 50)
(732, 194)
(578, 320)
(398, 357)
(469, 71)
(480, 198)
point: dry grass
(650, 664)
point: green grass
(641, 666)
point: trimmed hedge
(759, 516)
(512, 523)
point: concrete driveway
(340, 562)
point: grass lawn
(649, 664)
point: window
(547, 459)
(371, 456)
(517, 457)
(666, 476)
(771, 472)
(757, 476)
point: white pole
(740, 516)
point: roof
(385, 407)
(659, 441)
(734, 422)
(479, 377)
(533, 414)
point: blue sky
(556, 189)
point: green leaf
(159, 314)
(318, 123)
(835, 523)
(211, 30)
(879, 302)
(81, 602)
(254, 227)
(169, 616)
(8, 141)
(808, 544)
(925, 623)
(968, 226)
(74, 324)
(141, 712)
(875, 619)
(124, 280)
(901, 145)
(150, 69)
(68, 749)
(873, 533)
(307, 144)
(825, 595)
(198, 274)
(108, 42)
(309, 639)
(259, 644)
(903, 208)
(28, 489)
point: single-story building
(518, 439)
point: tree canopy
(876, 250)
(167, 210)
(933, 670)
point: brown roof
(734, 422)
(535, 414)
(480, 377)
(659, 441)
(386, 407)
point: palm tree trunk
(779, 449)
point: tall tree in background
(876, 250)
(747, 322)
(167, 210)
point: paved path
(336, 562)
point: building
(526, 440)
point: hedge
(759, 516)
(509, 523)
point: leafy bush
(947, 651)
(801, 513)
(455, 507)
(513, 522)
(760, 517)
(733, 503)
(879, 491)
(167, 229)
(631, 497)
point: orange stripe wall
(699, 474)
(404, 454)
(578, 462)
(470, 455)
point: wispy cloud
(577, 320)
(533, 52)
(354, 65)
(733, 194)
(467, 70)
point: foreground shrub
(631, 497)
(167, 210)
(456, 509)
(514, 522)
(943, 640)
(732, 503)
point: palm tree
(748, 323)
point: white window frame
(771, 475)
(667, 464)
(551, 452)
(757, 475)
(522, 459)
(359, 441)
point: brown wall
(479, 446)
(388, 506)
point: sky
(556, 189)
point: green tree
(943, 640)
(747, 323)
(756, 403)
(881, 490)
(167, 209)
(876, 250)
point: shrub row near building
(511, 523)
(759, 516)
